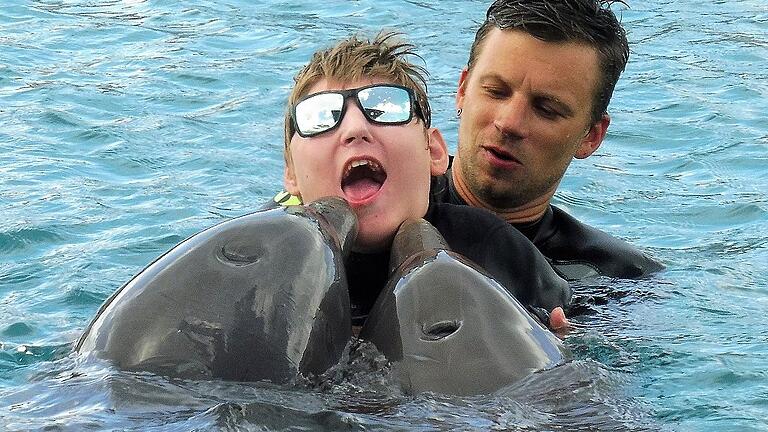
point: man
(534, 95)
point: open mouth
(362, 179)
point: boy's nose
(354, 126)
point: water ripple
(128, 125)
(23, 240)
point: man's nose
(354, 126)
(513, 116)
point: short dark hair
(585, 21)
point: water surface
(128, 125)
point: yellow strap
(285, 199)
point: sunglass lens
(383, 104)
(318, 113)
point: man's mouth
(362, 179)
(501, 156)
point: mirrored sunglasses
(383, 104)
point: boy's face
(383, 171)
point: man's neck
(530, 212)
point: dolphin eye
(241, 253)
(440, 329)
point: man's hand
(558, 322)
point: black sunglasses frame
(346, 94)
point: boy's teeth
(362, 162)
(354, 164)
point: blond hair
(353, 59)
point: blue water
(127, 125)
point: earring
(458, 112)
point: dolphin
(259, 297)
(450, 328)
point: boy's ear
(289, 179)
(594, 137)
(438, 152)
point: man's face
(526, 108)
(383, 171)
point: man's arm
(503, 252)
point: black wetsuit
(486, 240)
(574, 249)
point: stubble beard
(504, 189)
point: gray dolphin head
(259, 297)
(448, 326)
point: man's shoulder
(575, 249)
(578, 250)
(465, 218)
(502, 251)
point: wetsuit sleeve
(503, 252)
(575, 248)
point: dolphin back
(259, 297)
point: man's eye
(495, 92)
(548, 112)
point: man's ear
(594, 137)
(462, 89)
(438, 152)
(289, 179)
